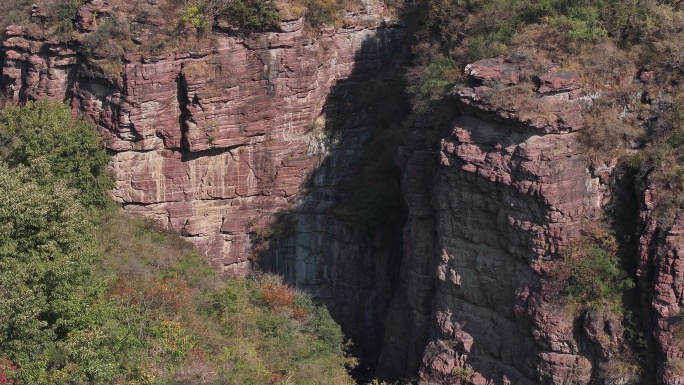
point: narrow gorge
(295, 151)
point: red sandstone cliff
(661, 280)
(213, 143)
(217, 142)
(210, 142)
(505, 192)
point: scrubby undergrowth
(90, 295)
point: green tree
(46, 251)
(44, 137)
(252, 14)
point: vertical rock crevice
(182, 100)
(340, 245)
(410, 314)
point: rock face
(211, 143)
(508, 193)
(216, 143)
(661, 280)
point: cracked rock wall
(488, 209)
(211, 143)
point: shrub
(107, 45)
(321, 12)
(433, 82)
(44, 137)
(262, 235)
(620, 371)
(193, 16)
(8, 372)
(246, 15)
(252, 15)
(582, 23)
(482, 47)
(594, 276)
(589, 272)
(463, 374)
(277, 295)
(65, 11)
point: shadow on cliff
(623, 213)
(342, 239)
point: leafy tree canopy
(44, 137)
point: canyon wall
(217, 142)
(490, 206)
(244, 146)
(211, 142)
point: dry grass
(675, 367)
(613, 124)
(291, 10)
(527, 104)
(618, 370)
(217, 73)
(602, 66)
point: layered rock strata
(511, 189)
(210, 142)
(661, 280)
(218, 142)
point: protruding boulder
(495, 70)
(14, 30)
(558, 81)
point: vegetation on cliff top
(105, 35)
(171, 23)
(91, 295)
(579, 35)
(607, 43)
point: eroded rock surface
(661, 280)
(508, 194)
(211, 142)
